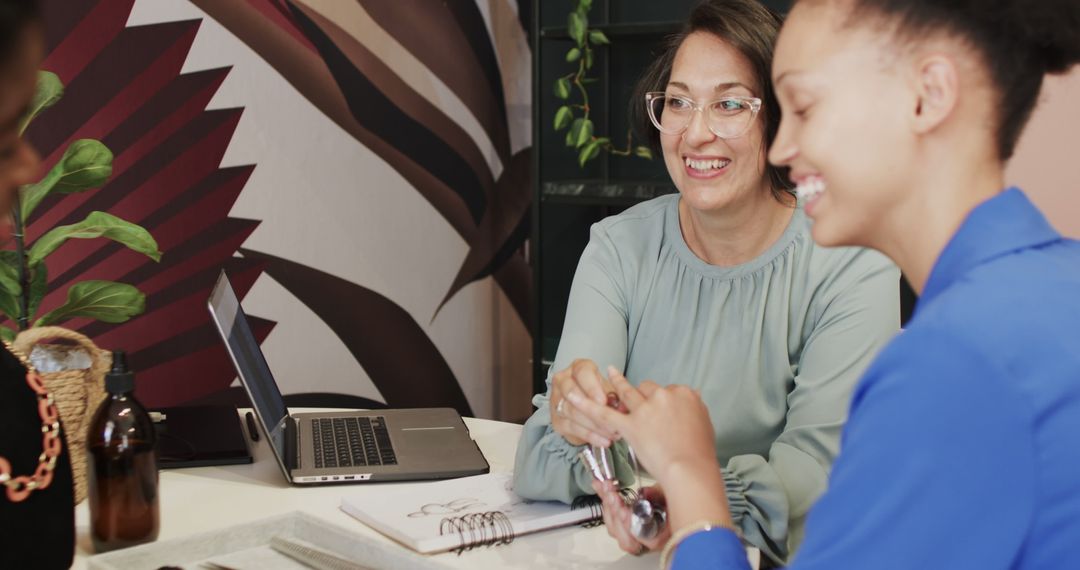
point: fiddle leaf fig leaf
(9, 284)
(105, 301)
(97, 224)
(9, 281)
(562, 88)
(9, 305)
(563, 117)
(576, 23)
(86, 164)
(49, 90)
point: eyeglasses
(727, 117)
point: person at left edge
(37, 528)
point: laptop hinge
(292, 444)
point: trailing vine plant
(575, 112)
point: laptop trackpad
(442, 444)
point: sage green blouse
(774, 345)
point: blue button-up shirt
(962, 447)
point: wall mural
(190, 96)
(124, 87)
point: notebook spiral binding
(594, 504)
(479, 529)
(493, 528)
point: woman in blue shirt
(962, 447)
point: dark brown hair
(751, 29)
(1019, 41)
(15, 15)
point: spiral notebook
(459, 514)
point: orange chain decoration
(20, 487)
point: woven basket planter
(77, 392)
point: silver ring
(559, 408)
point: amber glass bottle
(122, 466)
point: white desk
(205, 498)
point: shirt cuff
(735, 489)
(718, 548)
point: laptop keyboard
(352, 442)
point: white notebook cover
(412, 514)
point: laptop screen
(249, 361)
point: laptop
(342, 447)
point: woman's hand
(581, 377)
(617, 518)
(667, 426)
(672, 436)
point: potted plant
(73, 374)
(86, 164)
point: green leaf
(588, 152)
(562, 88)
(643, 152)
(584, 5)
(576, 23)
(7, 334)
(563, 117)
(575, 130)
(603, 141)
(10, 288)
(589, 80)
(38, 285)
(573, 55)
(9, 279)
(49, 90)
(588, 58)
(584, 135)
(9, 304)
(106, 301)
(599, 38)
(97, 224)
(86, 164)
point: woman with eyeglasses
(720, 288)
(962, 448)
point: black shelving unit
(568, 199)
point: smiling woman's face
(711, 172)
(844, 126)
(19, 164)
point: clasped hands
(668, 427)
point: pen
(252, 429)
